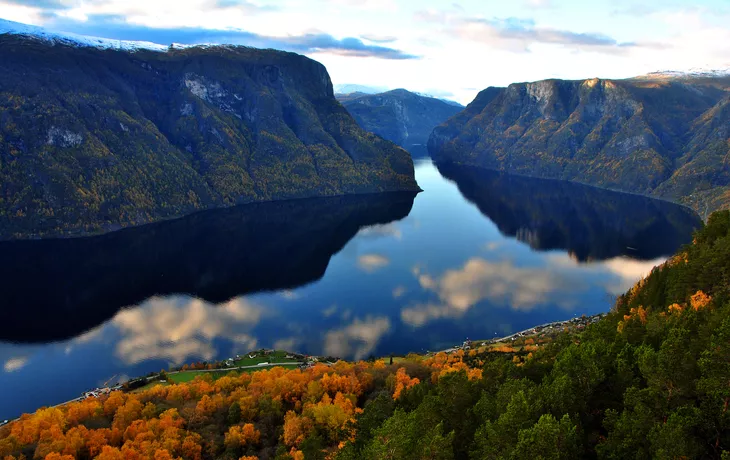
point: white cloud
(626, 273)
(567, 43)
(518, 35)
(539, 3)
(377, 5)
(560, 282)
(15, 364)
(399, 291)
(358, 339)
(382, 230)
(180, 328)
(492, 246)
(289, 295)
(372, 262)
(288, 344)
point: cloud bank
(116, 27)
(517, 34)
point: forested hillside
(660, 136)
(652, 380)
(93, 140)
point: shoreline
(308, 360)
(578, 322)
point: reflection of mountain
(75, 284)
(589, 222)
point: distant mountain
(665, 136)
(102, 134)
(700, 72)
(349, 88)
(450, 102)
(400, 116)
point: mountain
(450, 102)
(400, 116)
(214, 255)
(589, 222)
(665, 136)
(97, 135)
(349, 88)
(698, 72)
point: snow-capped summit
(696, 72)
(16, 28)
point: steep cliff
(660, 136)
(94, 139)
(400, 116)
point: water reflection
(358, 339)
(558, 282)
(591, 223)
(178, 327)
(349, 277)
(75, 284)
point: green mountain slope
(664, 137)
(400, 116)
(93, 140)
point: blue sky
(449, 49)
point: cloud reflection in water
(370, 263)
(14, 364)
(560, 282)
(358, 339)
(179, 327)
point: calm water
(477, 254)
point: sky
(443, 48)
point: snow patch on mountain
(697, 72)
(349, 88)
(16, 28)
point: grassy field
(277, 357)
(187, 376)
(153, 383)
(284, 365)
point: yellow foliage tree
(700, 301)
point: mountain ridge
(632, 135)
(95, 139)
(400, 116)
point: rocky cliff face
(98, 139)
(664, 137)
(400, 116)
